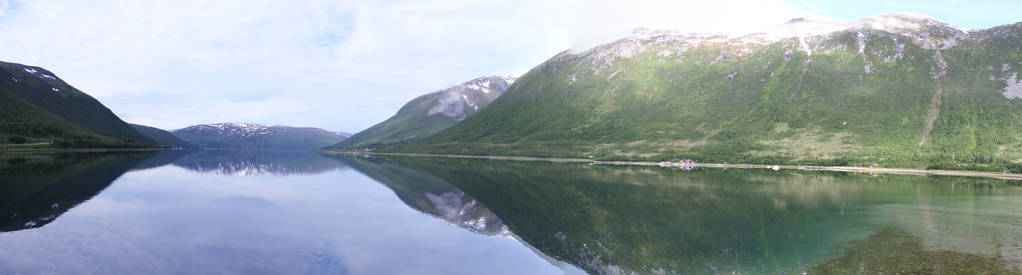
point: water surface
(302, 213)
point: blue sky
(346, 65)
(968, 14)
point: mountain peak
(227, 129)
(433, 112)
(922, 30)
(796, 20)
(253, 135)
(459, 100)
(901, 21)
(244, 125)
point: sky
(346, 65)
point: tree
(17, 139)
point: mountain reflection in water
(241, 163)
(600, 219)
(238, 212)
(431, 195)
(612, 220)
(36, 189)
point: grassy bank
(763, 165)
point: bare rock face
(1013, 88)
(456, 101)
(433, 112)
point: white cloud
(332, 64)
(5, 5)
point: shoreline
(896, 171)
(79, 150)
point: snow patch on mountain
(940, 66)
(252, 135)
(1013, 88)
(921, 30)
(475, 94)
(229, 129)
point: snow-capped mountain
(433, 112)
(459, 100)
(256, 136)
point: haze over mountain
(161, 137)
(37, 105)
(432, 113)
(902, 88)
(255, 136)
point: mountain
(37, 105)
(255, 136)
(161, 137)
(898, 89)
(431, 113)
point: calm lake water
(215, 212)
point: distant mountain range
(901, 89)
(162, 137)
(38, 106)
(255, 136)
(432, 113)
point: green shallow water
(276, 212)
(608, 219)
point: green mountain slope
(37, 105)
(898, 89)
(161, 137)
(431, 113)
